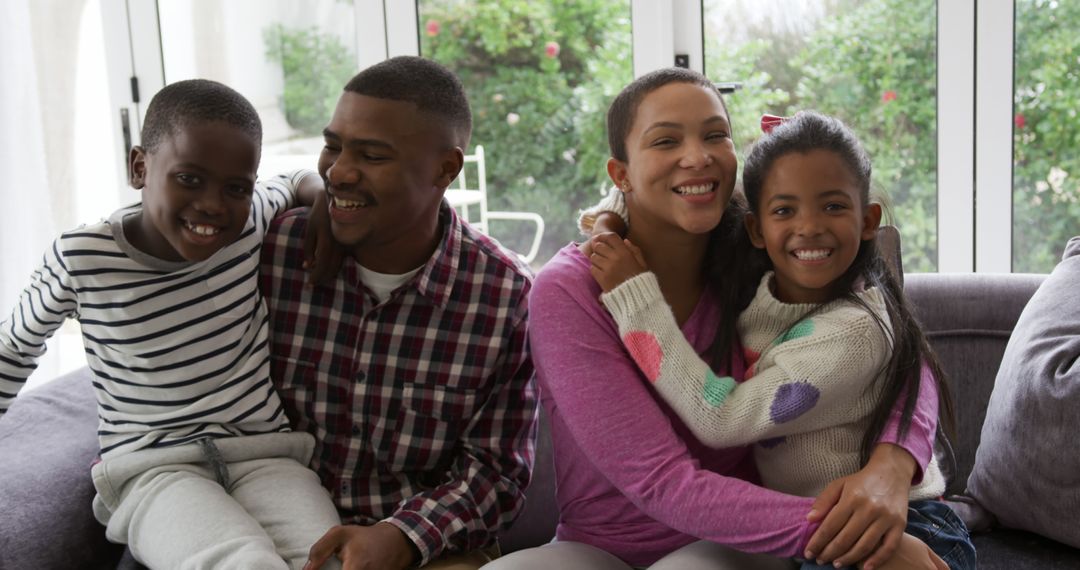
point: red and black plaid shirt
(423, 408)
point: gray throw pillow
(1027, 467)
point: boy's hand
(614, 260)
(323, 255)
(866, 511)
(913, 554)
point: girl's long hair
(738, 267)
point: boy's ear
(137, 167)
(871, 221)
(617, 171)
(450, 165)
(753, 229)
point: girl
(635, 488)
(830, 343)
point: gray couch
(47, 443)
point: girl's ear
(753, 229)
(137, 167)
(871, 221)
(618, 173)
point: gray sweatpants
(242, 502)
(699, 555)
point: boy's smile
(196, 186)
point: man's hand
(867, 511)
(377, 547)
(614, 260)
(323, 255)
(913, 554)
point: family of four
(352, 384)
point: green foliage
(540, 117)
(315, 67)
(870, 63)
(1046, 134)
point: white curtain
(45, 142)
(26, 222)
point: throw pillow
(1027, 467)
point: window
(871, 63)
(289, 58)
(539, 76)
(1046, 133)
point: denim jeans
(934, 523)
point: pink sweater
(631, 478)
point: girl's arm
(599, 394)
(814, 384)
(867, 509)
(862, 515)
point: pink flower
(551, 49)
(432, 28)
(887, 96)
(1020, 120)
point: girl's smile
(811, 221)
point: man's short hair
(433, 88)
(196, 101)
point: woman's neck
(677, 258)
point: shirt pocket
(423, 436)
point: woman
(635, 488)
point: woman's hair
(724, 260)
(623, 110)
(805, 132)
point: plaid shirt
(423, 408)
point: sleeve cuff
(425, 536)
(613, 202)
(633, 296)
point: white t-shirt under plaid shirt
(178, 350)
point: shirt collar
(437, 277)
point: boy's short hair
(433, 88)
(194, 101)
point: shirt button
(355, 429)
(360, 376)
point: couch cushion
(48, 440)
(1027, 469)
(1004, 549)
(969, 335)
(536, 524)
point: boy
(195, 447)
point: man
(410, 367)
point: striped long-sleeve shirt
(178, 350)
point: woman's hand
(866, 512)
(614, 260)
(913, 554)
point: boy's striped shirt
(178, 350)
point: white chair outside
(461, 196)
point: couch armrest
(48, 440)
